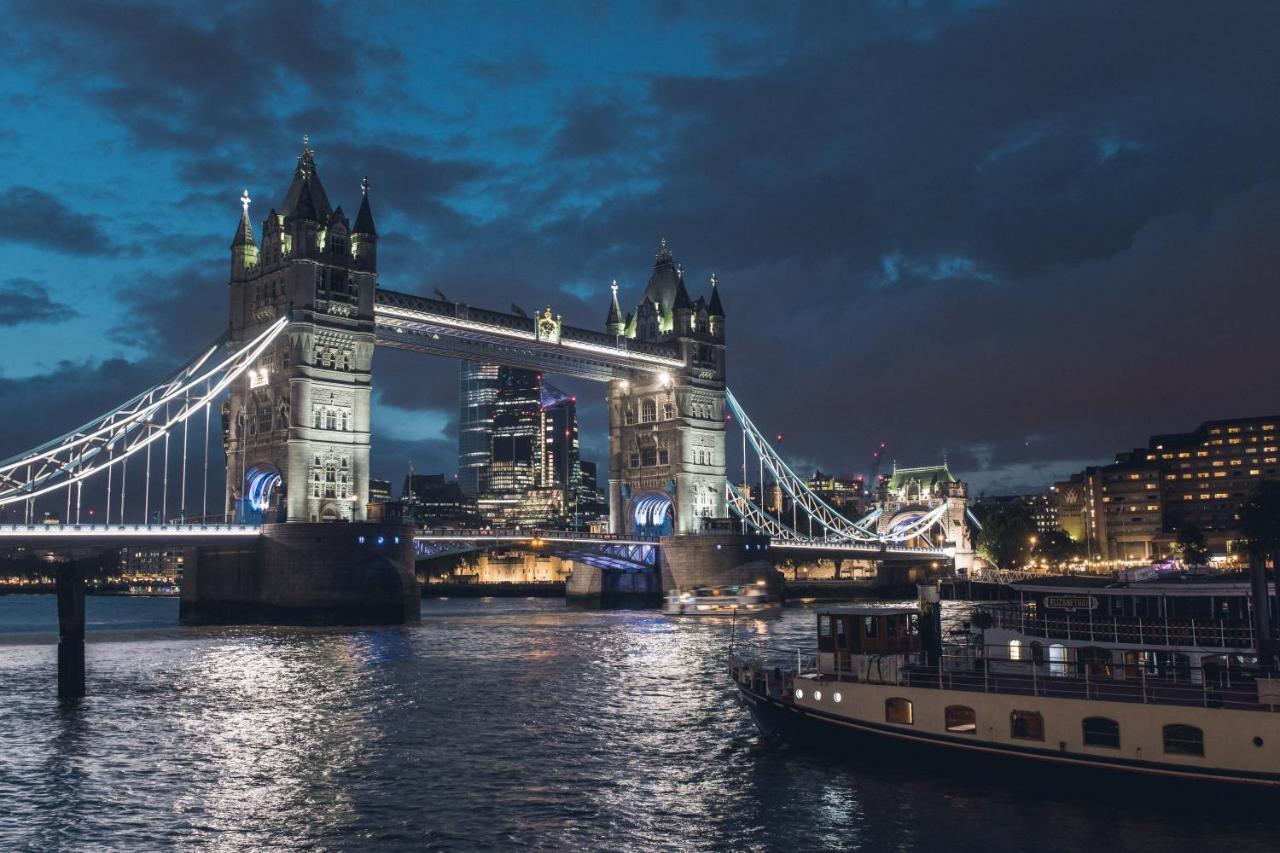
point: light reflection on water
(489, 725)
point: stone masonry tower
(296, 425)
(666, 432)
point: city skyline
(1023, 285)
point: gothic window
(346, 361)
(344, 462)
(648, 457)
(648, 412)
(664, 456)
(330, 420)
(344, 421)
(315, 490)
(668, 411)
(317, 459)
(330, 475)
(634, 460)
(630, 416)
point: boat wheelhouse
(721, 601)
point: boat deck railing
(1133, 630)
(1146, 682)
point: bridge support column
(718, 559)
(305, 574)
(70, 587)
(592, 586)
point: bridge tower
(296, 426)
(666, 431)
(909, 493)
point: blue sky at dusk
(1023, 236)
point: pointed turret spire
(682, 294)
(305, 175)
(614, 321)
(244, 251)
(244, 233)
(364, 218)
(715, 309)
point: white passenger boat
(881, 683)
(721, 601)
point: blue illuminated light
(382, 540)
(260, 480)
(397, 540)
(360, 540)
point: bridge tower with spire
(296, 426)
(667, 430)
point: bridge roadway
(53, 535)
(628, 549)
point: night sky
(1024, 236)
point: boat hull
(885, 745)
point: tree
(1005, 539)
(1260, 528)
(1191, 546)
(1056, 546)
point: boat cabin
(847, 634)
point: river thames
(494, 724)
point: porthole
(835, 697)
(1257, 741)
(800, 695)
(817, 695)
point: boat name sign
(1071, 602)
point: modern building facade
(1134, 508)
(477, 391)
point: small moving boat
(721, 601)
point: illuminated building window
(1202, 453)
(1254, 472)
(1268, 427)
(961, 718)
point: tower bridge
(292, 381)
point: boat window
(869, 626)
(1015, 650)
(1026, 725)
(824, 625)
(1057, 659)
(842, 640)
(961, 718)
(1099, 731)
(1183, 740)
(897, 710)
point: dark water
(491, 725)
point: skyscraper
(515, 464)
(561, 463)
(477, 391)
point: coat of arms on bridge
(548, 327)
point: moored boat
(880, 681)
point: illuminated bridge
(287, 392)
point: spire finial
(713, 279)
(662, 244)
(244, 202)
(680, 270)
(364, 185)
(614, 288)
(306, 143)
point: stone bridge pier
(685, 562)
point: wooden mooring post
(70, 579)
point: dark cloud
(24, 300)
(1022, 235)
(36, 218)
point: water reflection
(491, 725)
